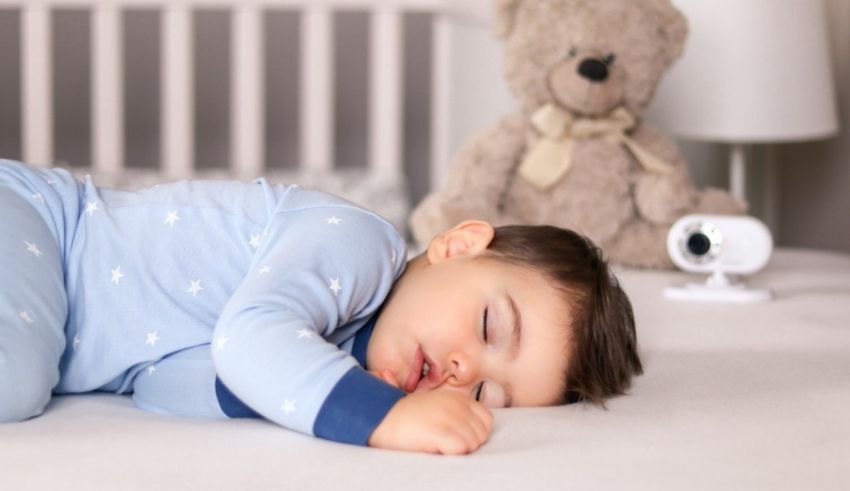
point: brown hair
(603, 353)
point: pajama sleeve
(315, 268)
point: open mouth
(422, 372)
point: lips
(415, 370)
(413, 382)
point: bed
(734, 397)
(737, 397)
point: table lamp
(753, 71)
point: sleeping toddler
(227, 299)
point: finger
(484, 414)
(470, 430)
(454, 444)
(388, 377)
(480, 429)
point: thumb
(386, 376)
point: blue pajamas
(202, 298)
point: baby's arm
(185, 384)
(275, 343)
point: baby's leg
(183, 383)
(33, 308)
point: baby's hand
(436, 421)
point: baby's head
(513, 316)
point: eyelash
(481, 385)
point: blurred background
(801, 190)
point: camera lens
(699, 244)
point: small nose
(593, 69)
(463, 369)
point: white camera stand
(719, 287)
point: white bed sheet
(734, 397)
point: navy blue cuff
(230, 404)
(355, 407)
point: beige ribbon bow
(550, 158)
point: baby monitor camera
(724, 246)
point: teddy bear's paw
(661, 199)
(720, 202)
(641, 245)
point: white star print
(39, 197)
(288, 406)
(393, 257)
(91, 207)
(195, 288)
(171, 217)
(117, 275)
(26, 317)
(265, 269)
(152, 338)
(335, 286)
(50, 181)
(304, 333)
(151, 369)
(76, 342)
(33, 248)
(255, 241)
(333, 220)
(219, 343)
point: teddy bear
(576, 154)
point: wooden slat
(317, 136)
(177, 92)
(423, 5)
(246, 128)
(386, 101)
(107, 91)
(37, 109)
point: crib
(382, 184)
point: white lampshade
(752, 71)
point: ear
(468, 238)
(505, 15)
(674, 27)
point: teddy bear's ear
(674, 27)
(505, 14)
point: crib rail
(247, 118)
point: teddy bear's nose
(593, 69)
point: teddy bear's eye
(609, 59)
(572, 52)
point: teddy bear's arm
(485, 164)
(662, 198)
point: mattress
(734, 397)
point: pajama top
(281, 285)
